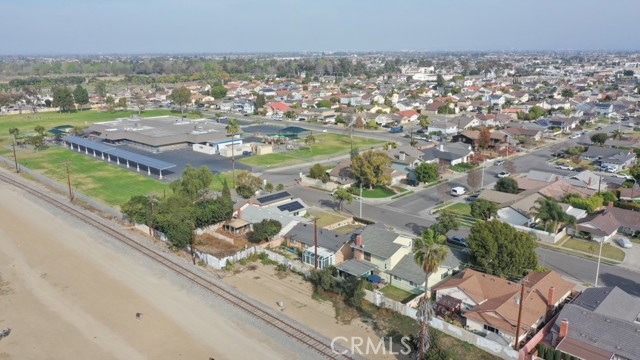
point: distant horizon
(141, 27)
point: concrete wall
(210, 150)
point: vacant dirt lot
(66, 295)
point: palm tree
(617, 134)
(551, 214)
(428, 253)
(232, 129)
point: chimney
(557, 178)
(441, 147)
(402, 155)
(564, 329)
(359, 244)
(589, 183)
(610, 204)
(239, 214)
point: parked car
(246, 153)
(421, 131)
(624, 242)
(575, 136)
(565, 167)
(503, 174)
(472, 198)
(457, 240)
(599, 128)
(624, 176)
(499, 162)
(458, 191)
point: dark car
(457, 240)
(420, 131)
(472, 198)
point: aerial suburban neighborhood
(320, 204)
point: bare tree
(474, 179)
(443, 191)
(510, 166)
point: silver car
(624, 242)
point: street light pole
(598, 268)
(482, 179)
(360, 199)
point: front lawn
(397, 294)
(461, 167)
(326, 218)
(592, 247)
(376, 193)
(460, 209)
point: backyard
(397, 294)
(325, 146)
(325, 218)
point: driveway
(632, 256)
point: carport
(111, 153)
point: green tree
(370, 168)
(499, 249)
(426, 172)
(62, 98)
(137, 209)
(599, 138)
(194, 183)
(122, 103)
(318, 172)
(536, 112)
(176, 217)
(219, 92)
(140, 101)
(617, 134)
(38, 139)
(260, 101)
(567, 93)
(440, 81)
(101, 89)
(182, 97)
(484, 209)
(310, 140)
(80, 96)
(279, 187)
(445, 222)
(265, 230)
(268, 187)
(341, 195)
(424, 121)
(428, 253)
(212, 211)
(323, 104)
(78, 130)
(15, 132)
(507, 185)
(635, 172)
(233, 129)
(247, 184)
(110, 101)
(552, 216)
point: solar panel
(291, 207)
(122, 154)
(272, 197)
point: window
(367, 256)
(412, 283)
(491, 328)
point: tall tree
(445, 222)
(370, 168)
(484, 209)
(233, 129)
(140, 101)
(485, 138)
(110, 100)
(62, 98)
(599, 138)
(552, 216)
(318, 172)
(138, 209)
(310, 140)
(261, 101)
(122, 103)
(31, 98)
(182, 97)
(428, 253)
(341, 195)
(474, 179)
(507, 185)
(194, 183)
(218, 92)
(426, 172)
(247, 184)
(499, 249)
(101, 89)
(80, 96)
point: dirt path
(65, 295)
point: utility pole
(15, 158)
(598, 267)
(315, 242)
(360, 199)
(193, 243)
(151, 201)
(517, 342)
(69, 180)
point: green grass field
(93, 177)
(460, 209)
(461, 167)
(326, 217)
(377, 192)
(591, 247)
(397, 294)
(326, 145)
(27, 121)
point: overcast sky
(211, 26)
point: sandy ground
(65, 295)
(267, 286)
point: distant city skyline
(82, 27)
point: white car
(623, 176)
(458, 191)
(503, 174)
(565, 167)
(624, 242)
(575, 136)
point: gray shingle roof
(610, 334)
(379, 241)
(407, 269)
(356, 267)
(327, 239)
(612, 302)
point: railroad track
(291, 330)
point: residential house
(601, 323)
(449, 154)
(341, 173)
(254, 214)
(603, 225)
(273, 199)
(408, 116)
(524, 134)
(277, 107)
(465, 122)
(603, 109)
(445, 128)
(333, 248)
(472, 137)
(563, 124)
(609, 157)
(491, 305)
(487, 119)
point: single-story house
(449, 154)
(333, 248)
